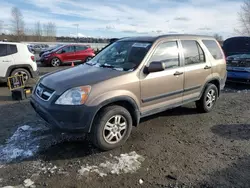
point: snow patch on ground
(125, 163)
(22, 144)
(26, 183)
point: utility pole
(77, 25)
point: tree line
(19, 32)
(46, 32)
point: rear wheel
(208, 99)
(111, 128)
(21, 71)
(55, 62)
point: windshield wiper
(107, 66)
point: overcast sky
(117, 18)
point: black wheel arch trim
(209, 81)
(20, 66)
(135, 115)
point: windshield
(122, 55)
(57, 47)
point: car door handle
(6, 61)
(177, 73)
(207, 67)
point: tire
(55, 62)
(25, 72)
(206, 103)
(105, 127)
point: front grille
(242, 63)
(44, 92)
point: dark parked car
(237, 51)
(49, 49)
(67, 54)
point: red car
(67, 54)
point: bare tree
(17, 22)
(38, 31)
(50, 31)
(244, 19)
(218, 37)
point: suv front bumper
(64, 118)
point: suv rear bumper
(64, 118)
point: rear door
(197, 69)
(6, 59)
(81, 53)
(217, 59)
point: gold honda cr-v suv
(128, 80)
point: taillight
(32, 58)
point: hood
(45, 52)
(78, 76)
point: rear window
(3, 50)
(13, 49)
(213, 48)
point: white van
(16, 59)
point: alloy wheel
(25, 75)
(115, 129)
(211, 98)
(55, 62)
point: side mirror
(63, 51)
(156, 66)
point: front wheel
(55, 62)
(111, 128)
(208, 99)
(21, 71)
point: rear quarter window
(13, 49)
(213, 48)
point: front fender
(109, 98)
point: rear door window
(213, 48)
(193, 52)
(3, 50)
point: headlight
(74, 96)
